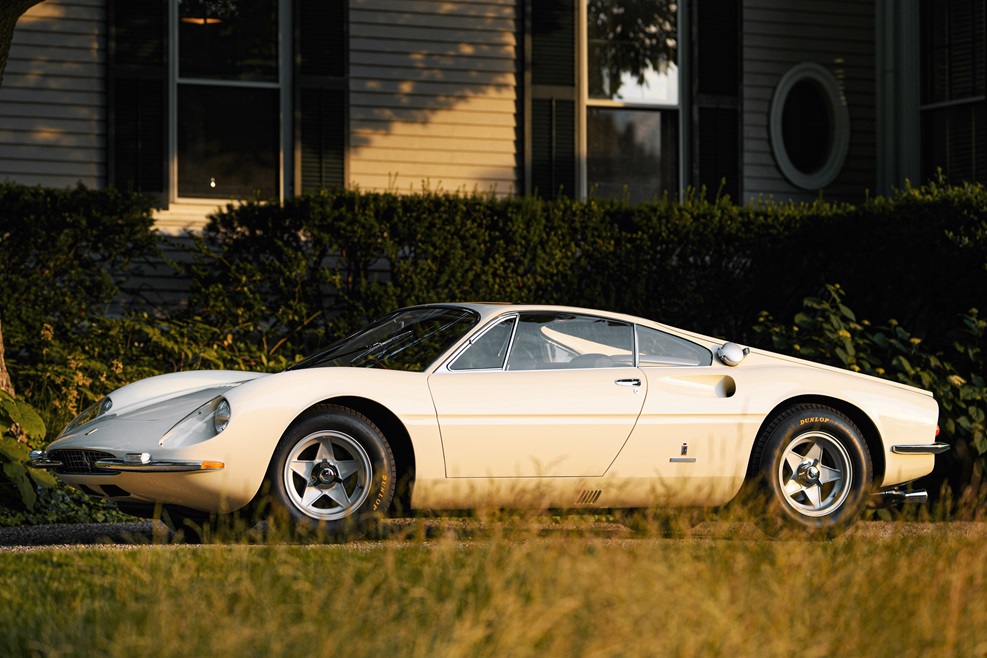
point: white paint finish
(52, 104)
(444, 74)
(560, 423)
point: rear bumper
(921, 449)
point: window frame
(284, 86)
(681, 106)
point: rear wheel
(815, 468)
(333, 471)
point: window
(810, 126)
(954, 98)
(228, 90)
(547, 342)
(488, 351)
(656, 348)
(608, 126)
(632, 95)
(224, 99)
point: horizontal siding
(840, 36)
(52, 103)
(433, 95)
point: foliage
(827, 331)
(110, 352)
(20, 425)
(64, 254)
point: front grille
(79, 462)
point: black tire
(813, 466)
(333, 471)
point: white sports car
(459, 406)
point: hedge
(316, 266)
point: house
(205, 101)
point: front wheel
(333, 470)
(816, 470)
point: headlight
(91, 413)
(221, 417)
(201, 425)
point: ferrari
(465, 406)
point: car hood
(158, 395)
(156, 404)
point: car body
(457, 406)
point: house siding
(836, 34)
(52, 104)
(433, 96)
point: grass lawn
(883, 590)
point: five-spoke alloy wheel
(816, 469)
(333, 469)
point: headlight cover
(201, 425)
(89, 414)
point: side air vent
(588, 497)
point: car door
(539, 395)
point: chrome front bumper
(133, 462)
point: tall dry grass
(510, 589)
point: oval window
(810, 126)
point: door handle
(634, 381)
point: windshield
(409, 339)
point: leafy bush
(20, 425)
(827, 331)
(64, 254)
(109, 352)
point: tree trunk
(10, 11)
(5, 383)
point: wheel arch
(397, 437)
(872, 437)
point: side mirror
(732, 353)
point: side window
(488, 351)
(545, 342)
(656, 348)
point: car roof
(487, 310)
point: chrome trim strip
(921, 449)
(153, 467)
(40, 460)
(682, 460)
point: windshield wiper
(379, 347)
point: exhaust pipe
(890, 497)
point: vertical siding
(433, 95)
(52, 103)
(837, 34)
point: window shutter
(717, 89)
(553, 96)
(954, 119)
(321, 48)
(137, 94)
(553, 151)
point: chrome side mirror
(732, 353)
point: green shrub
(64, 255)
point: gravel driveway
(81, 534)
